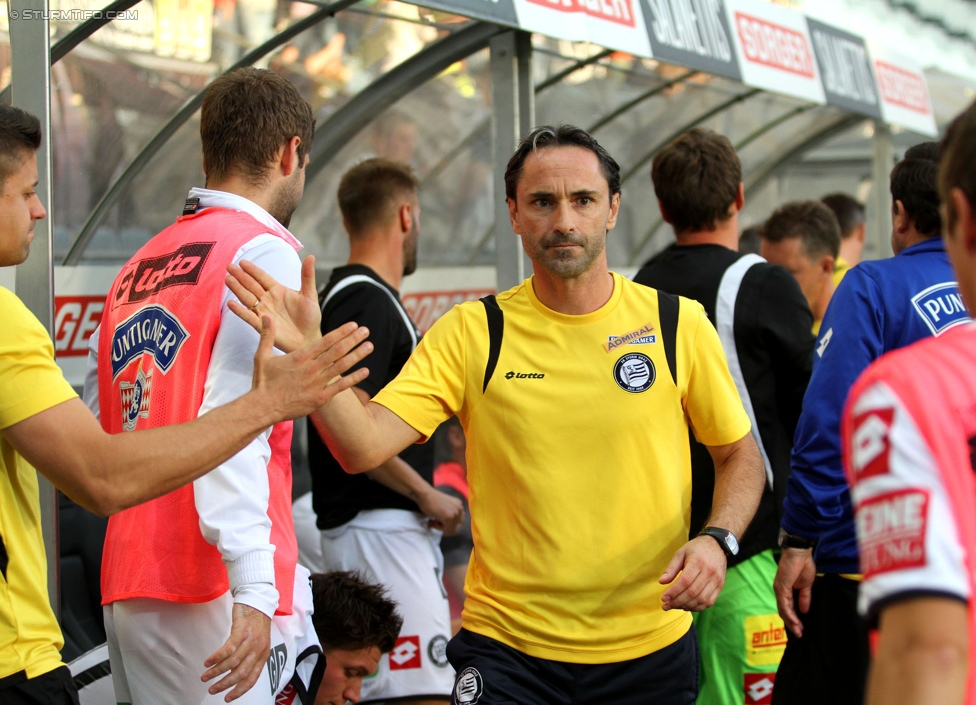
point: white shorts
(309, 538)
(157, 648)
(397, 549)
(93, 676)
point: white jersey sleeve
(232, 500)
(907, 536)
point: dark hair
(247, 116)
(562, 136)
(696, 178)
(369, 192)
(914, 182)
(811, 221)
(957, 157)
(749, 240)
(20, 134)
(849, 212)
(351, 614)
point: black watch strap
(787, 540)
(726, 539)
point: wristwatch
(726, 539)
(792, 541)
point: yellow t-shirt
(30, 382)
(840, 269)
(578, 463)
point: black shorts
(52, 688)
(491, 673)
(830, 663)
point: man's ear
(289, 161)
(899, 217)
(965, 220)
(513, 215)
(664, 213)
(827, 265)
(404, 214)
(740, 197)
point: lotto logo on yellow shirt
(765, 640)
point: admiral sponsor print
(941, 307)
(642, 336)
(144, 278)
(152, 331)
(891, 530)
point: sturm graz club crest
(135, 399)
(468, 687)
(634, 373)
(437, 650)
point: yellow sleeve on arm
(30, 380)
(712, 403)
(431, 386)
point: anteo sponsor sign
(75, 318)
(891, 531)
(870, 444)
(845, 69)
(692, 33)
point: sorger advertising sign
(774, 49)
(616, 24)
(904, 93)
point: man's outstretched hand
(296, 314)
(298, 383)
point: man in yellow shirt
(576, 390)
(44, 425)
(850, 217)
(803, 237)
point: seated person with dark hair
(357, 624)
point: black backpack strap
(667, 311)
(496, 326)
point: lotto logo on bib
(870, 447)
(634, 373)
(758, 688)
(405, 654)
(468, 687)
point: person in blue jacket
(879, 306)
